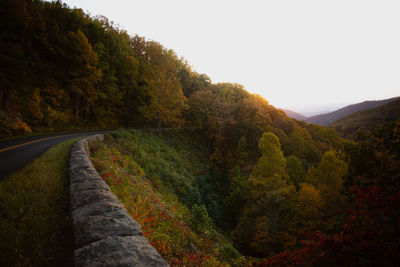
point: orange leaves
(20, 125)
(14, 125)
(111, 179)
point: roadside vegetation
(156, 182)
(244, 180)
(34, 212)
(273, 212)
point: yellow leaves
(309, 196)
(55, 117)
(328, 178)
(132, 60)
(84, 52)
(19, 125)
(34, 105)
(272, 161)
(269, 143)
(310, 203)
(84, 72)
(15, 125)
(330, 171)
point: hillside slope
(367, 119)
(241, 156)
(294, 115)
(165, 184)
(331, 117)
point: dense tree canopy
(270, 179)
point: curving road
(15, 154)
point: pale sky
(301, 55)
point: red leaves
(369, 237)
(161, 220)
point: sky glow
(301, 55)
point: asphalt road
(15, 154)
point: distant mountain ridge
(331, 117)
(293, 115)
(367, 119)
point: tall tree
(328, 178)
(264, 225)
(272, 161)
(309, 205)
(159, 75)
(84, 74)
(295, 170)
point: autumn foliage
(369, 237)
(183, 236)
(240, 182)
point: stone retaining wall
(104, 233)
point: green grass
(35, 227)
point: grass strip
(35, 227)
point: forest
(273, 191)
